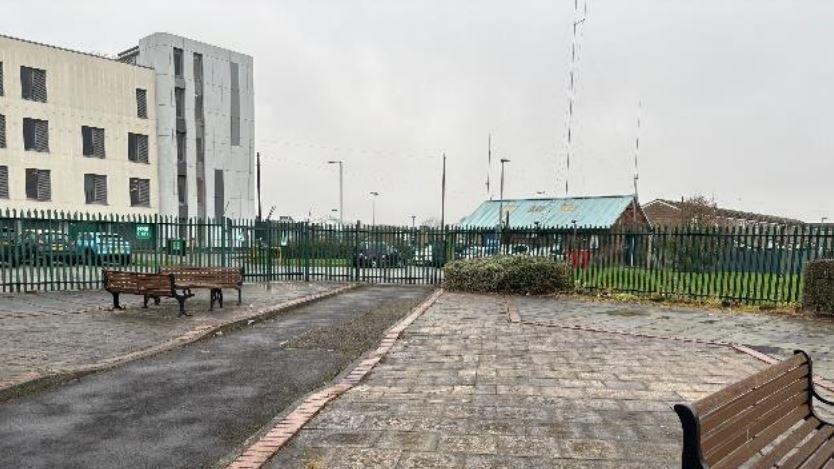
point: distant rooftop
(560, 212)
(733, 214)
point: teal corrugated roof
(598, 212)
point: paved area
(191, 406)
(464, 388)
(774, 334)
(52, 332)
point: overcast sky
(738, 96)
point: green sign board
(176, 247)
(143, 232)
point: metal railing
(57, 251)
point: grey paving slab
(51, 332)
(465, 388)
(775, 334)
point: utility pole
(374, 195)
(636, 151)
(259, 185)
(501, 201)
(341, 190)
(489, 164)
(443, 195)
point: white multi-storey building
(77, 131)
(205, 126)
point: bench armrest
(822, 399)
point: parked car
(41, 247)
(102, 248)
(376, 254)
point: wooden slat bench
(214, 279)
(146, 284)
(767, 420)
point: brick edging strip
(818, 380)
(273, 440)
(53, 379)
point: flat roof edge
(74, 51)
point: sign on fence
(143, 232)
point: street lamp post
(341, 190)
(374, 195)
(413, 221)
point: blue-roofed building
(597, 212)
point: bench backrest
(137, 283)
(729, 427)
(231, 277)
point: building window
(1, 79)
(92, 141)
(198, 67)
(35, 135)
(38, 184)
(235, 111)
(179, 102)
(33, 84)
(95, 188)
(219, 195)
(182, 187)
(2, 131)
(140, 192)
(178, 62)
(200, 149)
(180, 147)
(4, 182)
(141, 103)
(137, 148)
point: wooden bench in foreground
(214, 279)
(767, 420)
(148, 285)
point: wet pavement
(53, 332)
(775, 334)
(192, 406)
(464, 388)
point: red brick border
(273, 440)
(820, 381)
(11, 389)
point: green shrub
(819, 286)
(508, 275)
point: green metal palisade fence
(58, 251)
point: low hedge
(819, 286)
(508, 275)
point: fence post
(306, 238)
(354, 258)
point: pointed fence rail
(60, 251)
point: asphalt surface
(193, 406)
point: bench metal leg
(116, 304)
(220, 296)
(212, 297)
(181, 300)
